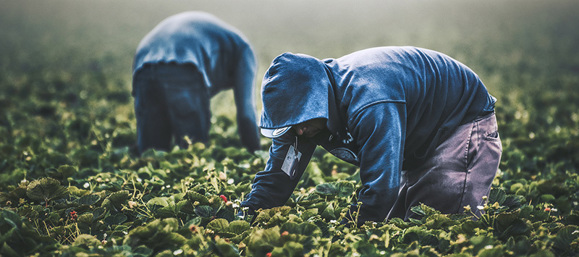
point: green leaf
(45, 189)
(418, 210)
(226, 213)
(89, 199)
(75, 191)
(262, 241)
(185, 206)
(226, 249)
(543, 253)
(514, 201)
(337, 249)
(547, 198)
(166, 212)
(439, 221)
(497, 195)
(157, 235)
(11, 218)
(240, 237)
(116, 219)
(327, 189)
(86, 240)
(420, 235)
(119, 198)
(66, 171)
(424, 210)
(218, 225)
(197, 197)
(306, 229)
(508, 224)
(158, 201)
(86, 218)
(345, 188)
(292, 249)
(309, 213)
(480, 242)
(520, 246)
(6, 250)
(142, 250)
(98, 213)
(365, 248)
(492, 252)
(171, 224)
(310, 229)
(310, 199)
(329, 212)
(238, 226)
(291, 227)
(7, 234)
(204, 211)
(565, 237)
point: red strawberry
(73, 215)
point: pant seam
(467, 148)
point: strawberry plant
(71, 183)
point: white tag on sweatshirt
(290, 163)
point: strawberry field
(71, 183)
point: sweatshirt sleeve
(273, 186)
(379, 131)
(243, 92)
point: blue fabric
(213, 46)
(218, 51)
(307, 78)
(171, 102)
(390, 106)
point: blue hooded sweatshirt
(387, 108)
(220, 52)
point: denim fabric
(171, 102)
(459, 173)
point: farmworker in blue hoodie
(419, 124)
(183, 62)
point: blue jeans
(171, 102)
(459, 173)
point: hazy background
(62, 54)
(489, 36)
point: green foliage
(18, 237)
(263, 241)
(45, 189)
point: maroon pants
(459, 173)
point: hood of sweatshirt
(296, 88)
